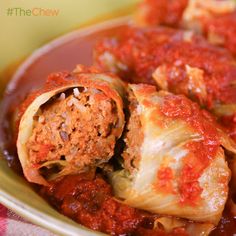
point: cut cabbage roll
(173, 161)
(71, 125)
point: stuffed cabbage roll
(71, 125)
(176, 61)
(211, 18)
(174, 160)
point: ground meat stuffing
(76, 126)
(133, 135)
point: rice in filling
(76, 126)
(133, 136)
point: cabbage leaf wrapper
(179, 166)
(71, 125)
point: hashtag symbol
(9, 11)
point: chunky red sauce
(88, 200)
(95, 207)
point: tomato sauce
(96, 207)
(204, 151)
(164, 178)
(88, 199)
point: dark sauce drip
(77, 50)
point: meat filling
(133, 136)
(75, 126)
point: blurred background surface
(28, 24)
